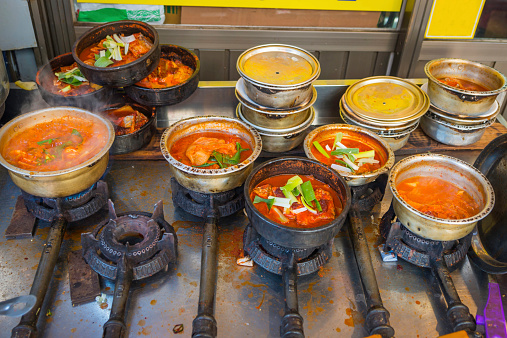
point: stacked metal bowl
(276, 94)
(459, 116)
(389, 106)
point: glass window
(493, 21)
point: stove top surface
(248, 298)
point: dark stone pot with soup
(126, 74)
(462, 175)
(296, 237)
(172, 94)
(45, 81)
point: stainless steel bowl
(452, 170)
(280, 140)
(355, 133)
(460, 101)
(274, 95)
(210, 180)
(275, 119)
(452, 133)
(64, 182)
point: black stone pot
(45, 78)
(297, 238)
(174, 94)
(124, 75)
(128, 143)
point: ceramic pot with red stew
(308, 224)
(117, 54)
(439, 197)
(173, 81)
(61, 83)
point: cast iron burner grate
(73, 208)
(439, 256)
(126, 247)
(207, 205)
(420, 251)
(271, 256)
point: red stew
(436, 197)
(168, 73)
(66, 89)
(137, 48)
(59, 144)
(126, 119)
(294, 216)
(211, 150)
(364, 168)
(463, 84)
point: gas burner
(271, 256)
(206, 205)
(127, 247)
(439, 256)
(73, 208)
(366, 196)
(59, 211)
(418, 250)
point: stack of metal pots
(389, 106)
(276, 94)
(456, 116)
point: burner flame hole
(130, 238)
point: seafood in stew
(211, 150)
(436, 197)
(463, 84)
(346, 155)
(69, 81)
(116, 50)
(299, 201)
(56, 145)
(167, 74)
(126, 119)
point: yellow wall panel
(454, 19)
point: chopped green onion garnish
(320, 149)
(281, 202)
(337, 138)
(66, 89)
(103, 62)
(48, 141)
(340, 151)
(370, 153)
(268, 201)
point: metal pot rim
(195, 73)
(299, 51)
(488, 207)
(122, 67)
(347, 203)
(246, 101)
(390, 154)
(468, 92)
(210, 172)
(91, 161)
(278, 132)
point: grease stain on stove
(141, 322)
(153, 302)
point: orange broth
(463, 84)
(280, 181)
(437, 197)
(179, 148)
(365, 168)
(55, 145)
(167, 74)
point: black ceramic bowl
(124, 75)
(173, 94)
(128, 143)
(289, 237)
(45, 78)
